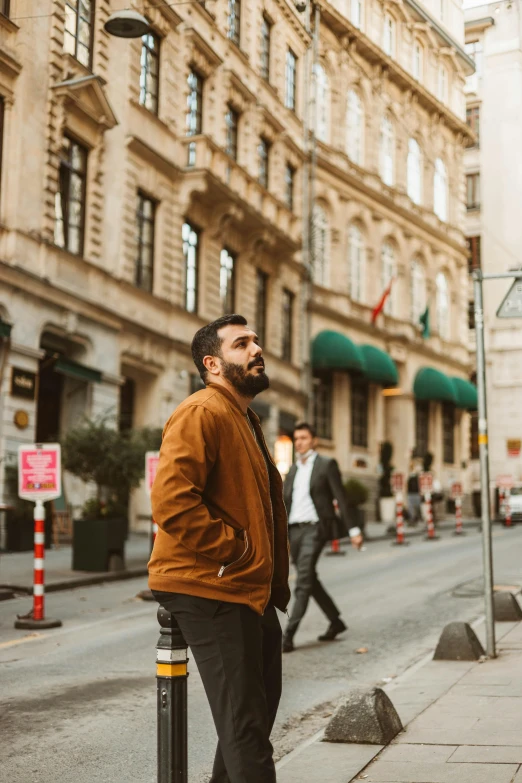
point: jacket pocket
(225, 568)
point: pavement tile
(493, 754)
(440, 736)
(518, 776)
(418, 753)
(403, 772)
(327, 762)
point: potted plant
(386, 497)
(19, 517)
(114, 462)
(356, 496)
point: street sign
(511, 306)
(397, 482)
(505, 482)
(456, 490)
(39, 472)
(513, 447)
(425, 482)
(151, 468)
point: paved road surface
(77, 705)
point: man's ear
(212, 365)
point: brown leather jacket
(222, 526)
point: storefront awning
(333, 351)
(431, 384)
(380, 367)
(467, 397)
(5, 329)
(76, 370)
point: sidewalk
(463, 724)
(16, 568)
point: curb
(81, 581)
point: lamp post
(126, 24)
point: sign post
(151, 468)
(456, 494)
(39, 480)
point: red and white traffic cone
(430, 524)
(507, 506)
(146, 595)
(399, 517)
(36, 617)
(458, 517)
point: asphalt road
(78, 703)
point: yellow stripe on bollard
(171, 670)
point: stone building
(493, 192)
(150, 185)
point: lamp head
(127, 24)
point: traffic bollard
(459, 531)
(399, 521)
(171, 676)
(429, 521)
(36, 617)
(146, 595)
(335, 548)
(507, 508)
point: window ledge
(8, 24)
(150, 115)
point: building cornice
(479, 25)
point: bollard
(399, 516)
(459, 531)
(507, 508)
(36, 617)
(171, 676)
(429, 513)
(335, 548)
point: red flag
(377, 310)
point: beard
(245, 384)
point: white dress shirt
(303, 509)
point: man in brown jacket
(220, 560)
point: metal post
(484, 465)
(171, 675)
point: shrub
(356, 493)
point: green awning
(380, 367)
(467, 396)
(431, 384)
(333, 351)
(5, 329)
(76, 370)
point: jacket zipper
(226, 567)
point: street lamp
(127, 24)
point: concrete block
(507, 608)
(458, 642)
(366, 717)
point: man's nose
(257, 350)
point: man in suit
(311, 486)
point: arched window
(443, 306)
(357, 13)
(440, 190)
(417, 291)
(354, 128)
(414, 171)
(387, 151)
(387, 274)
(357, 261)
(322, 86)
(417, 65)
(320, 246)
(388, 42)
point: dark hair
(303, 425)
(207, 342)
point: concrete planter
(98, 544)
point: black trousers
(306, 544)
(238, 655)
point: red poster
(151, 468)
(39, 471)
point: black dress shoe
(288, 645)
(334, 629)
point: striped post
(507, 506)
(36, 617)
(429, 513)
(399, 515)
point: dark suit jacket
(325, 486)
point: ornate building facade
(150, 185)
